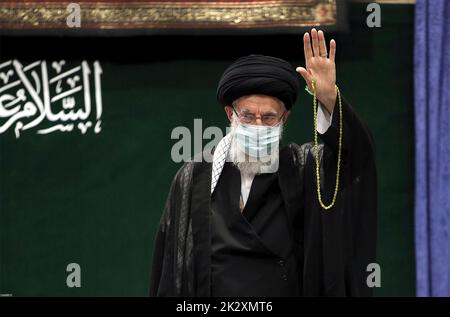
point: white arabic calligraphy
(34, 95)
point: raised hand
(321, 67)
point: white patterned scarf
(219, 159)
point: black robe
(334, 246)
(253, 253)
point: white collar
(220, 156)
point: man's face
(258, 110)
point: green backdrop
(96, 199)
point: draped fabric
(432, 125)
(335, 247)
(163, 15)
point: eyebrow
(263, 114)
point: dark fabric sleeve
(171, 238)
(352, 226)
(340, 243)
(159, 254)
(358, 147)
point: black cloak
(334, 246)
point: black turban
(259, 74)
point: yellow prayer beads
(316, 148)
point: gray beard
(246, 164)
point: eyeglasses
(266, 119)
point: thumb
(305, 74)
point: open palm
(320, 66)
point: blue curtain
(432, 125)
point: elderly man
(254, 222)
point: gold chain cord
(316, 148)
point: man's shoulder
(184, 173)
(183, 178)
(302, 151)
(300, 147)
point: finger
(315, 42)
(307, 47)
(305, 74)
(332, 49)
(322, 44)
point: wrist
(329, 100)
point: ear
(286, 115)
(229, 111)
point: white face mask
(258, 141)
